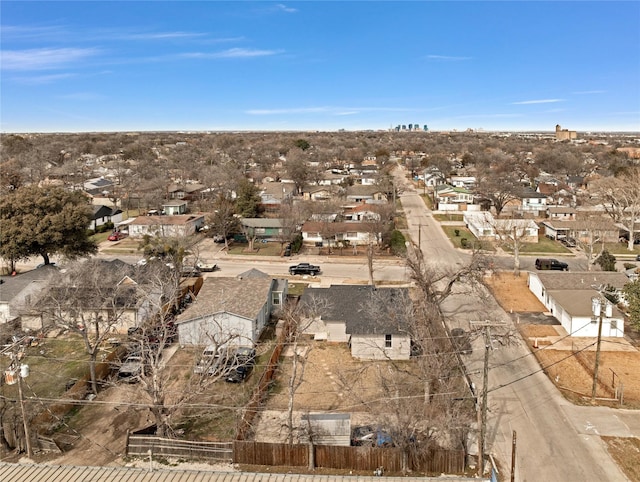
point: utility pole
(513, 457)
(485, 387)
(17, 371)
(596, 308)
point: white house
(372, 321)
(573, 308)
(485, 227)
(356, 233)
(229, 311)
(177, 225)
(568, 297)
(20, 291)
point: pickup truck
(304, 268)
(205, 266)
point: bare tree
(513, 234)
(92, 300)
(589, 234)
(223, 219)
(621, 199)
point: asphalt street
(556, 441)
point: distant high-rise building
(565, 134)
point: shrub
(456, 232)
(397, 243)
(607, 261)
(464, 242)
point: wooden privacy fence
(349, 458)
(435, 461)
(143, 445)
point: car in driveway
(132, 368)
(206, 267)
(116, 236)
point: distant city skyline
(319, 65)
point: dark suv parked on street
(549, 263)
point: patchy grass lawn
(448, 217)
(429, 202)
(544, 245)
(261, 249)
(621, 248)
(464, 233)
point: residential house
(331, 233)
(122, 305)
(169, 226)
(279, 290)
(188, 190)
(360, 212)
(273, 194)
(561, 213)
(591, 229)
(175, 208)
(532, 201)
(433, 177)
(568, 297)
(450, 198)
(262, 228)
(557, 193)
(372, 321)
(18, 292)
(227, 311)
(103, 215)
(359, 193)
(467, 182)
(320, 193)
(98, 186)
(485, 227)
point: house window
(387, 341)
(352, 235)
(614, 324)
(276, 299)
(594, 319)
(260, 231)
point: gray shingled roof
(581, 280)
(243, 297)
(365, 310)
(11, 286)
(578, 302)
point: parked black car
(304, 268)
(550, 263)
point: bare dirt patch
(626, 452)
(512, 292)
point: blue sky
(328, 65)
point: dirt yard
(572, 374)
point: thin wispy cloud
(231, 53)
(537, 101)
(28, 32)
(447, 58)
(162, 35)
(286, 9)
(44, 59)
(42, 79)
(588, 92)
